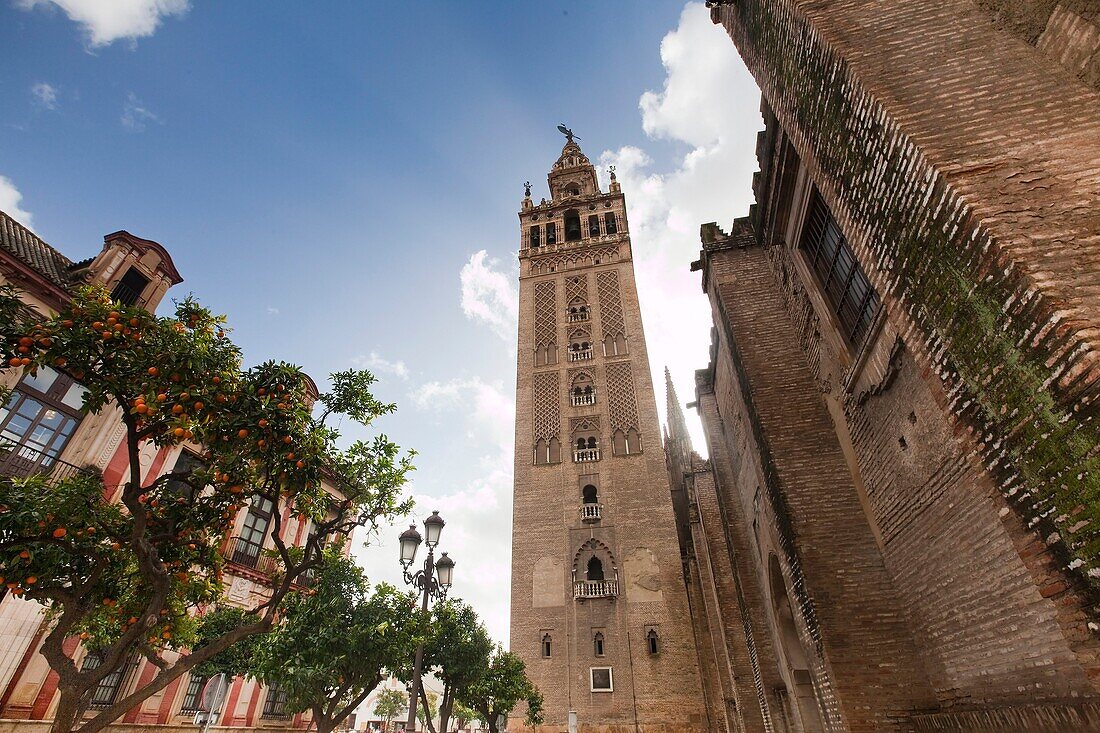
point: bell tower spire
(599, 604)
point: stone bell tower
(599, 607)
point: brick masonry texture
(974, 203)
(910, 522)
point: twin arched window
(588, 443)
(627, 442)
(547, 451)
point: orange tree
(127, 567)
(500, 684)
(456, 651)
(335, 646)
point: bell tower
(599, 607)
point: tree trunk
(324, 725)
(445, 708)
(68, 712)
(428, 711)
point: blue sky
(344, 185)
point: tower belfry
(599, 606)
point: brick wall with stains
(943, 470)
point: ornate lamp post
(433, 580)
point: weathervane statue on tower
(567, 132)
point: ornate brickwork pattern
(572, 259)
(584, 424)
(621, 401)
(545, 314)
(547, 410)
(576, 288)
(611, 304)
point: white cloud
(379, 365)
(710, 102)
(478, 514)
(106, 21)
(492, 414)
(490, 295)
(45, 95)
(10, 199)
(272, 310)
(135, 114)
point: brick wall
(963, 166)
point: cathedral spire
(677, 427)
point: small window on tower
(597, 644)
(546, 646)
(551, 233)
(534, 236)
(609, 223)
(652, 642)
(594, 225)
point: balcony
(250, 555)
(587, 455)
(580, 355)
(584, 589)
(577, 400)
(21, 461)
(590, 512)
(577, 317)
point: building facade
(599, 610)
(895, 528)
(44, 431)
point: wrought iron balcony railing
(583, 589)
(21, 461)
(250, 555)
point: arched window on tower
(652, 641)
(546, 646)
(609, 224)
(589, 495)
(534, 236)
(551, 233)
(572, 226)
(597, 644)
(594, 570)
(594, 225)
(582, 391)
(546, 354)
(626, 442)
(553, 451)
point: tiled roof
(24, 245)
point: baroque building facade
(599, 610)
(896, 526)
(44, 431)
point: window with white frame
(601, 678)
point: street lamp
(433, 581)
